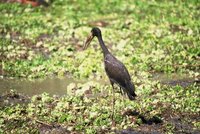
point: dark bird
(115, 70)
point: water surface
(53, 86)
(58, 86)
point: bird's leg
(121, 92)
(113, 103)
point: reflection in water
(53, 86)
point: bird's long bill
(87, 42)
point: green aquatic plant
(150, 37)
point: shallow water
(53, 86)
(174, 79)
(58, 86)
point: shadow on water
(53, 86)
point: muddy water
(175, 79)
(168, 77)
(58, 86)
(55, 86)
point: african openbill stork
(115, 70)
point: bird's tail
(131, 92)
(132, 96)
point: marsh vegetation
(152, 38)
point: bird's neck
(104, 48)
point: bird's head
(94, 32)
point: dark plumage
(118, 74)
(115, 70)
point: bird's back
(118, 74)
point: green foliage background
(148, 36)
